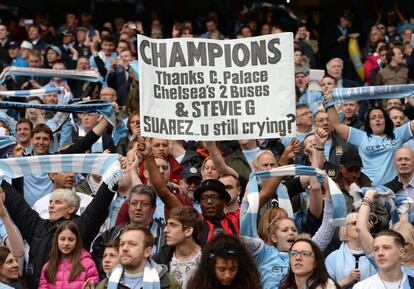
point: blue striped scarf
(86, 75)
(32, 92)
(105, 165)
(151, 279)
(250, 217)
(343, 95)
(104, 108)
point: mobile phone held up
(28, 21)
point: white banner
(201, 89)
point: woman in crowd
(9, 270)
(348, 264)
(225, 263)
(377, 144)
(69, 265)
(307, 269)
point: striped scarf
(249, 225)
(32, 92)
(343, 95)
(151, 278)
(86, 75)
(105, 165)
(102, 107)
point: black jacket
(164, 256)
(39, 232)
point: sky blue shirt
(377, 152)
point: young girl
(225, 263)
(69, 265)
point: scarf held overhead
(338, 200)
(104, 108)
(343, 95)
(86, 75)
(32, 92)
(105, 165)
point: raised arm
(218, 160)
(362, 222)
(157, 180)
(341, 129)
(14, 239)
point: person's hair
(39, 29)
(318, 112)
(263, 228)
(41, 127)
(36, 53)
(69, 196)
(144, 190)
(259, 155)
(4, 252)
(188, 217)
(25, 120)
(204, 163)
(298, 49)
(319, 276)
(300, 25)
(389, 126)
(383, 47)
(351, 217)
(149, 239)
(301, 105)
(329, 63)
(108, 38)
(229, 248)
(406, 230)
(56, 255)
(131, 115)
(398, 238)
(32, 98)
(331, 77)
(112, 244)
(127, 43)
(390, 53)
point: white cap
(26, 44)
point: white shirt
(375, 282)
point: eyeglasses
(142, 204)
(214, 198)
(303, 254)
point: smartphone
(28, 21)
(412, 41)
(114, 55)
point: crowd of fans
(176, 218)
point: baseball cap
(54, 48)
(68, 32)
(191, 172)
(213, 185)
(351, 159)
(13, 44)
(26, 45)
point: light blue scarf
(151, 277)
(86, 75)
(31, 92)
(102, 107)
(343, 95)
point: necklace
(383, 283)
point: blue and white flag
(6, 145)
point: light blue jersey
(377, 152)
